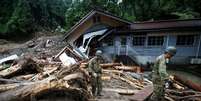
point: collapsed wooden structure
(34, 78)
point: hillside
(25, 17)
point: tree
(26, 16)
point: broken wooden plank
(143, 94)
(128, 68)
(105, 65)
(128, 81)
(63, 50)
(122, 91)
(105, 77)
(24, 77)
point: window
(108, 42)
(155, 40)
(123, 40)
(185, 39)
(139, 40)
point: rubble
(46, 67)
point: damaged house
(136, 42)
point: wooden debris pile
(30, 78)
(183, 90)
(44, 77)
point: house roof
(90, 15)
(140, 26)
(166, 25)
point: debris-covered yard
(48, 69)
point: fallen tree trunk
(69, 80)
(26, 93)
(25, 63)
(31, 91)
(6, 87)
(10, 81)
(188, 83)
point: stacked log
(16, 84)
(183, 90)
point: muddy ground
(41, 46)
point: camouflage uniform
(159, 75)
(95, 71)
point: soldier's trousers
(158, 93)
(96, 84)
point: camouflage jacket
(94, 65)
(159, 69)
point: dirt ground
(36, 46)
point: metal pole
(126, 49)
(167, 40)
(197, 53)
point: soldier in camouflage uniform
(95, 71)
(159, 74)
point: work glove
(167, 84)
(95, 74)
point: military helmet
(98, 53)
(171, 50)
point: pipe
(167, 40)
(197, 53)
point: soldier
(95, 71)
(159, 74)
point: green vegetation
(27, 16)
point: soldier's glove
(168, 83)
(95, 74)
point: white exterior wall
(149, 53)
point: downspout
(167, 40)
(198, 49)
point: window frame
(194, 40)
(164, 38)
(145, 39)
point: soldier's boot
(93, 90)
